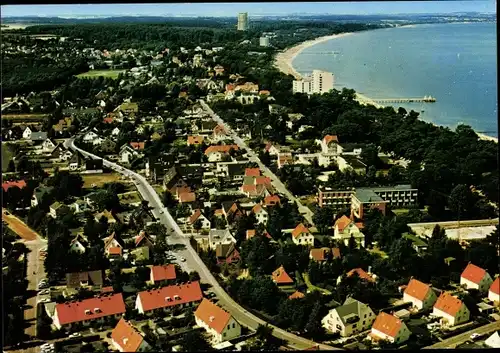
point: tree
(11, 167)
(323, 218)
(314, 328)
(460, 200)
(194, 341)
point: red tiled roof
(214, 316)
(388, 324)
(114, 250)
(301, 228)
(8, 184)
(187, 197)
(219, 212)
(473, 273)
(161, 273)
(194, 217)
(126, 336)
(68, 313)
(264, 92)
(495, 286)
(281, 277)
(330, 138)
(297, 295)
(157, 298)
(255, 172)
(448, 304)
(137, 145)
(141, 237)
(417, 289)
(319, 254)
(257, 208)
(342, 223)
(336, 253)
(262, 180)
(250, 233)
(272, 200)
(220, 148)
(108, 119)
(361, 274)
(219, 130)
(195, 140)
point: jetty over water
(425, 99)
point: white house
(474, 277)
(217, 322)
(220, 237)
(126, 338)
(127, 154)
(77, 246)
(350, 318)
(90, 136)
(302, 236)
(330, 145)
(494, 292)
(421, 295)
(48, 145)
(198, 216)
(451, 310)
(261, 214)
(115, 132)
(344, 228)
(390, 328)
(27, 133)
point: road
(35, 270)
(457, 340)
(253, 157)
(240, 314)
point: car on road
(475, 335)
(43, 285)
(161, 211)
(44, 292)
(76, 334)
(183, 259)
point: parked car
(76, 334)
(475, 335)
(44, 292)
(44, 300)
(183, 259)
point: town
(192, 197)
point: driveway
(193, 260)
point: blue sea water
(456, 63)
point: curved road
(253, 157)
(241, 315)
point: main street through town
(457, 340)
(176, 236)
(252, 156)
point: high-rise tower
(242, 21)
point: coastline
(283, 62)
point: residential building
(197, 216)
(250, 233)
(421, 295)
(345, 228)
(195, 140)
(493, 341)
(21, 184)
(38, 136)
(48, 145)
(362, 274)
(365, 199)
(169, 297)
(451, 310)
(27, 133)
(227, 253)
(78, 245)
(389, 328)
(350, 318)
(127, 154)
(280, 277)
(112, 246)
(162, 273)
(296, 295)
(324, 254)
(494, 292)
(68, 315)
(58, 209)
(320, 82)
(142, 239)
(126, 338)
(272, 200)
(264, 41)
(216, 152)
(220, 237)
(474, 277)
(217, 322)
(261, 215)
(302, 236)
(242, 21)
(84, 279)
(106, 214)
(303, 86)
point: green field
(104, 73)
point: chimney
(369, 269)
(125, 340)
(212, 318)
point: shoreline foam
(283, 62)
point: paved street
(253, 157)
(241, 315)
(455, 341)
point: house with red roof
(112, 246)
(218, 323)
(302, 236)
(162, 273)
(280, 277)
(494, 292)
(330, 145)
(389, 328)
(197, 216)
(345, 227)
(250, 233)
(451, 310)
(18, 183)
(261, 215)
(126, 338)
(186, 196)
(421, 295)
(195, 140)
(82, 312)
(143, 240)
(216, 152)
(474, 277)
(367, 276)
(296, 295)
(227, 254)
(284, 158)
(169, 297)
(320, 254)
(252, 172)
(350, 318)
(139, 146)
(219, 134)
(271, 200)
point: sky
(256, 8)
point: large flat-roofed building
(243, 21)
(303, 86)
(360, 199)
(264, 41)
(319, 82)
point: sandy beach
(283, 62)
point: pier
(425, 99)
(322, 53)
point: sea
(456, 63)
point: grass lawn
(99, 179)
(312, 287)
(6, 157)
(130, 197)
(378, 252)
(97, 73)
